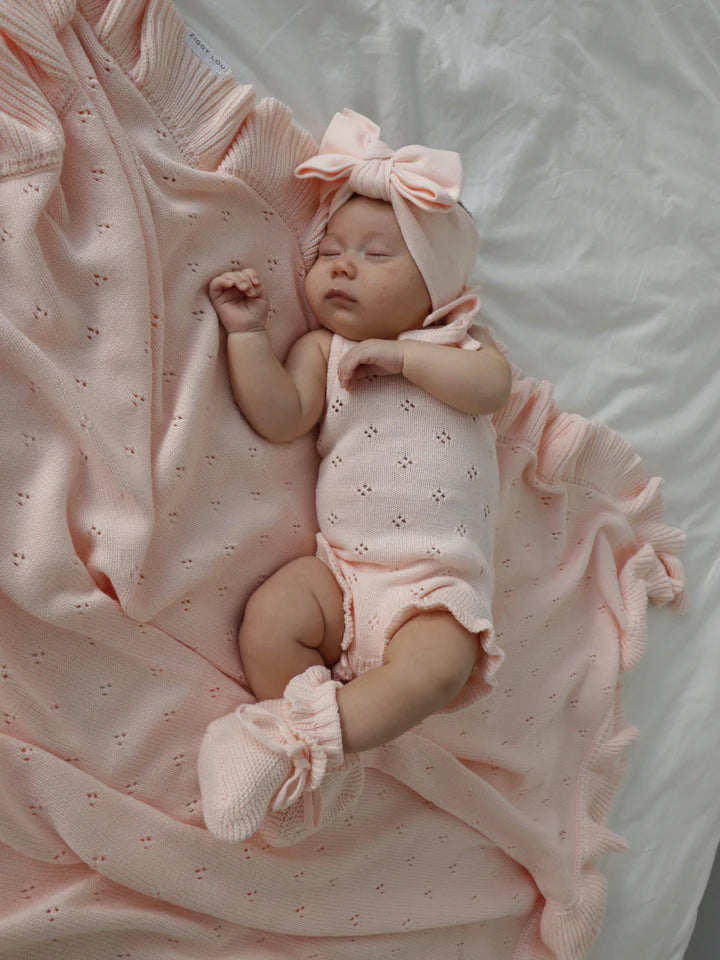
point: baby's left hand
(370, 357)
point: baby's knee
(438, 652)
(259, 620)
(451, 675)
(301, 604)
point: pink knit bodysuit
(406, 501)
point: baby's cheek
(312, 287)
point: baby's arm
(472, 381)
(280, 402)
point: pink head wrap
(423, 186)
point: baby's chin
(347, 325)
(350, 323)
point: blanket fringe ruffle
(572, 450)
(214, 120)
(569, 930)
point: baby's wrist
(248, 334)
(243, 331)
(406, 349)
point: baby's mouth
(335, 292)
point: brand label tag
(202, 50)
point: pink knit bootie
(264, 756)
(338, 793)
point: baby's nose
(344, 264)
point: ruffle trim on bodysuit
(341, 670)
(460, 601)
(459, 316)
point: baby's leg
(426, 664)
(295, 620)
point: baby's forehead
(366, 215)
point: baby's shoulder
(317, 340)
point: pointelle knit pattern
(139, 512)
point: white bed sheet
(589, 136)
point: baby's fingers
(347, 367)
(246, 281)
(249, 282)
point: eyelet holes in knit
(405, 462)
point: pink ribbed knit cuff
(312, 711)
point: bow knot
(352, 155)
(372, 178)
(308, 760)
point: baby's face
(364, 282)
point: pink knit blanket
(139, 511)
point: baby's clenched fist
(239, 300)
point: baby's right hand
(238, 298)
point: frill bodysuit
(406, 501)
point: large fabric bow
(353, 155)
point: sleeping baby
(391, 620)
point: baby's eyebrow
(367, 238)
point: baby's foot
(265, 756)
(239, 776)
(316, 809)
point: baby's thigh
(435, 648)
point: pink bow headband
(423, 185)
